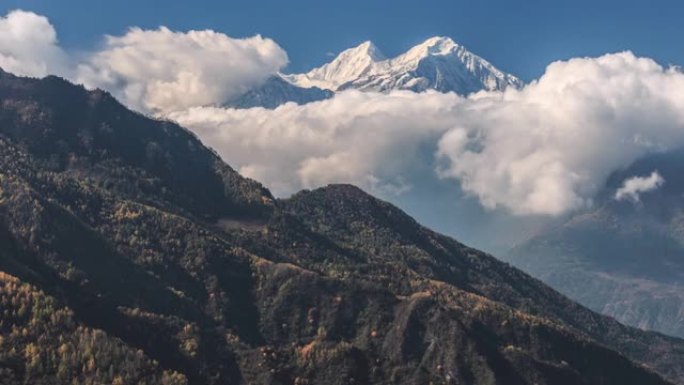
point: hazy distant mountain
(132, 254)
(623, 258)
(276, 91)
(438, 63)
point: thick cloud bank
(154, 71)
(544, 149)
(162, 71)
(633, 187)
(548, 148)
(28, 45)
(374, 140)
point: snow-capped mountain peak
(437, 63)
(434, 46)
(367, 48)
(349, 65)
(437, 45)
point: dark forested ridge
(131, 254)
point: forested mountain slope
(140, 237)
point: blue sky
(519, 37)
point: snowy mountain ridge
(351, 64)
(438, 63)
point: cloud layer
(374, 140)
(163, 71)
(154, 71)
(545, 149)
(632, 188)
(549, 148)
(28, 45)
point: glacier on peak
(438, 63)
(349, 65)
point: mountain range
(131, 254)
(623, 258)
(626, 254)
(436, 64)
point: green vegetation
(41, 343)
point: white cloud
(549, 148)
(632, 188)
(163, 71)
(28, 45)
(155, 71)
(373, 140)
